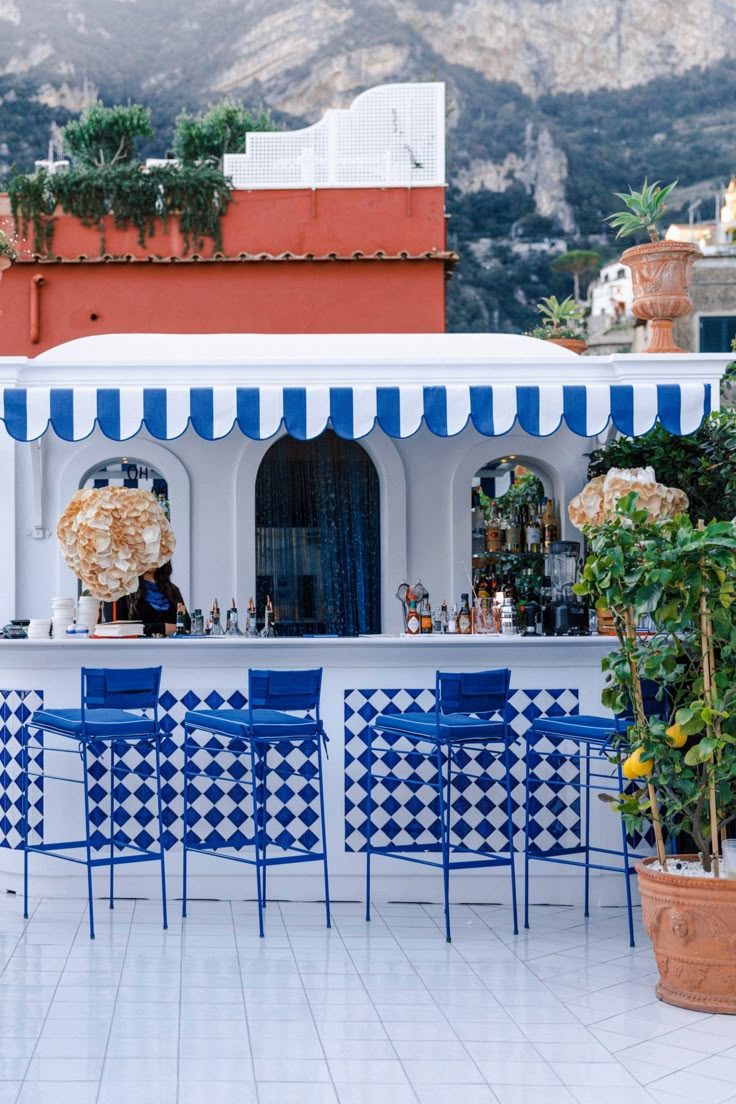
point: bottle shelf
(504, 553)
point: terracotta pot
(660, 272)
(692, 925)
(574, 344)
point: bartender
(155, 603)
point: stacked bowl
(39, 628)
(88, 612)
(62, 613)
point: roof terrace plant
(643, 211)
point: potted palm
(562, 323)
(660, 269)
(648, 558)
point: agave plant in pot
(647, 561)
(660, 269)
(562, 323)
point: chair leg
(445, 831)
(112, 824)
(510, 832)
(527, 769)
(264, 815)
(85, 782)
(323, 830)
(26, 829)
(161, 833)
(586, 910)
(187, 734)
(369, 827)
(256, 832)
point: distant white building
(611, 295)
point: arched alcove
(318, 536)
(98, 453)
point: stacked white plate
(62, 614)
(88, 611)
(39, 628)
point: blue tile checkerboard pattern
(16, 706)
(405, 815)
(219, 813)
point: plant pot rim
(635, 252)
(719, 885)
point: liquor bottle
(508, 619)
(250, 619)
(551, 529)
(478, 525)
(533, 536)
(425, 616)
(413, 621)
(452, 620)
(545, 599)
(494, 530)
(444, 617)
(217, 629)
(233, 627)
(179, 618)
(197, 623)
(464, 619)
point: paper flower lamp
(109, 536)
(599, 497)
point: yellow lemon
(633, 766)
(675, 736)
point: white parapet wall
(392, 136)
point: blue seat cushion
(100, 723)
(586, 727)
(268, 724)
(453, 726)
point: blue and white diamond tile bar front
(203, 410)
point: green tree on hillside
(577, 263)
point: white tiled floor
(379, 1013)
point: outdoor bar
(194, 419)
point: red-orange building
(313, 242)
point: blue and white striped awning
(304, 412)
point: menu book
(117, 629)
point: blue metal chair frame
(104, 722)
(594, 738)
(462, 721)
(274, 697)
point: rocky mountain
(553, 104)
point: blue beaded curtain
(318, 537)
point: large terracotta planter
(692, 925)
(660, 273)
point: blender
(566, 615)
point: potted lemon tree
(660, 269)
(562, 323)
(649, 559)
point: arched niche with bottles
(513, 518)
(128, 471)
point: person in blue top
(154, 603)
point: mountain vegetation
(538, 136)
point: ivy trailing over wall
(198, 195)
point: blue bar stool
(433, 750)
(103, 726)
(231, 747)
(585, 744)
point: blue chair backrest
(653, 707)
(126, 688)
(473, 692)
(285, 690)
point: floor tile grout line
(373, 1004)
(115, 1002)
(245, 1003)
(309, 1004)
(431, 996)
(56, 987)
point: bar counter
(362, 676)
